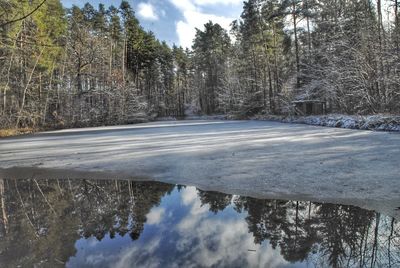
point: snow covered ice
(255, 158)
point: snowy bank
(194, 117)
(371, 122)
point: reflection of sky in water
(111, 223)
(182, 233)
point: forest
(94, 66)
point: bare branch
(24, 16)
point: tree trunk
(3, 205)
(308, 31)
(123, 61)
(26, 88)
(296, 43)
(47, 95)
(396, 24)
(6, 86)
(111, 59)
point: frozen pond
(119, 223)
(251, 158)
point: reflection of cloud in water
(194, 239)
(92, 242)
(106, 223)
(131, 224)
(95, 259)
(189, 195)
(143, 256)
(155, 215)
(197, 211)
(208, 241)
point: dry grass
(8, 132)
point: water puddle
(117, 223)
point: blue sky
(175, 20)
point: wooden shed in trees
(309, 107)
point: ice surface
(257, 158)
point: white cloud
(186, 30)
(146, 11)
(218, 2)
(194, 17)
(183, 5)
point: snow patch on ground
(371, 122)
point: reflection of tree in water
(343, 228)
(280, 222)
(215, 200)
(329, 235)
(45, 218)
(120, 207)
(41, 221)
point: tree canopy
(88, 66)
